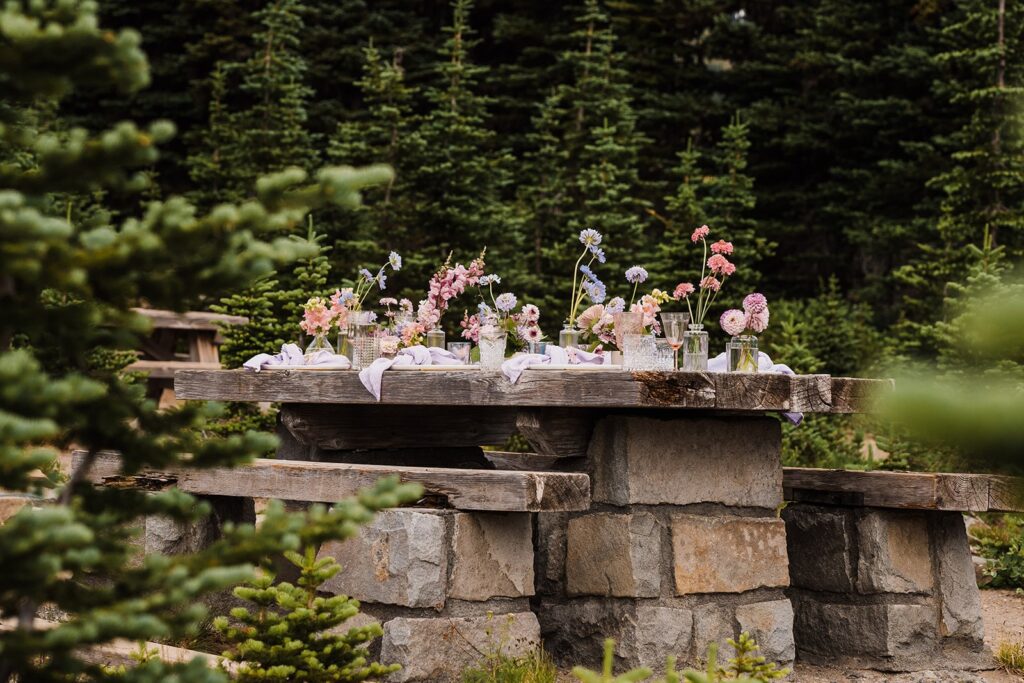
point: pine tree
(66, 293)
(289, 637)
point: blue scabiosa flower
(636, 275)
(588, 273)
(395, 260)
(381, 279)
(595, 291)
(505, 302)
(367, 275)
(590, 237)
(598, 253)
(484, 309)
(616, 305)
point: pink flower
(728, 269)
(317, 317)
(531, 313)
(410, 332)
(530, 333)
(590, 316)
(719, 264)
(721, 247)
(710, 282)
(733, 322)
(471, 327)
(755, 303)
(700, 233)
(682, 290)
(758, 322)
(389, 345)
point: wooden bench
(179, 341)
(880, 566)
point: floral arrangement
(588, 285)
(753, 319)
(447, 283)
(598, 321)
(713, 274)
(317, 316)
(522, 327)
(366, 281)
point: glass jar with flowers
(597, 327)
(584, 283)
(350, 299)
(741, 351)
(522, 329)
(317, 320)
(714, 272)
(445, 285)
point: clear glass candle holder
(664, 356)
(460, 350)
(492, 349)
(537, 347)
(569, 337)
(695, 349)
(742, 353)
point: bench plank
(564, 388)
(908, 490)
(327, 482)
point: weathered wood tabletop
(543, 388)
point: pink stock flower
(682, 290)
(733, 322)
(721, 247)
(317, 317)
(700, 233)
(719, 264)
(755, 303)
(471, 327)
(710, 282)
(758, 322)
(410, 332)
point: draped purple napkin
(513, 368)
(373, 375)
(764, 364)
(291, 356)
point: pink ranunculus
(682, 290)
(754, 303)
(733, 322)
(758, 322)
(721, 247)
(710, 282)
(719, 264)
(700, 233)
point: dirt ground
(1003, 611)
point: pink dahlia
(758, 322)
(710, 282)
(733, 322)
(755, 303)
(700, 233)
(721, 247)
(682, 290)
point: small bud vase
(435, 337)
(344, 348)
(569, 337)
(742, 353)
(695, 349)
(319, 343)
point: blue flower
(636, 275)
(484, 309)
(598, 253)
(367, 275)
(590, 237)
(505, 302)
(381, 279)
(346, 297)
(588, 273)
(395, 260)
(616, 305)
(595, 291)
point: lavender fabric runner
(513, 368)
(292, 356)
(764, 364)
(373, 375)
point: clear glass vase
(319, 343)
(569, 337)
(492, 349)
(741, 351)
(344, 348)
(363, 339)
(435, 338)
(695, 349)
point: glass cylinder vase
(695, 349)
(319, 343)
(492, 349)
(569, 337)
(363, 339)
(435, 337)
(344, 348)
(742, 353)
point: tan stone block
(771, 625)
(734, 461)
(614, 555)
(492, 556)
(894, 554)
(728, 554)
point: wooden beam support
(189, 320)
(324, 482)
(906, 490)
(562, 389)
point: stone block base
(885, 589)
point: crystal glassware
(435, 337)
(673, 326)
(695, 349)
(664, 356)
(742, 353)
(638, 352)
(627, 322)
(460, 350)
(362, 339)
(492, 349)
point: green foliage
(1001, 542)
(288, 636)
(606, 674)
(499, 667)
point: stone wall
(885, 589)
(681, 547)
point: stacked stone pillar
(682, 545)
